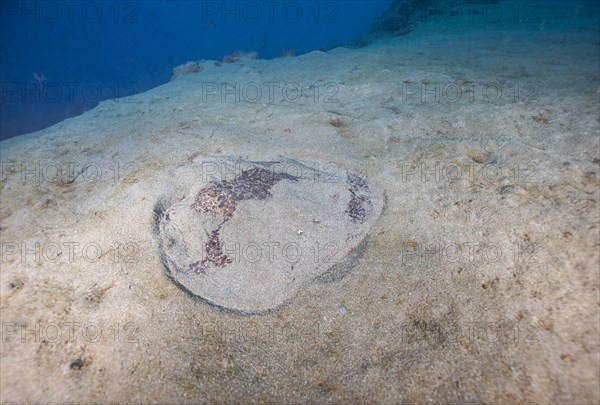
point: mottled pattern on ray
(220, 198)
(317, 209)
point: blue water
(94, 50)
(60, 58)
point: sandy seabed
(478, 283)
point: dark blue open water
(94, 50)
(60, 58)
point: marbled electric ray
(248, 235)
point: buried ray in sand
(248, 236)
(374, 239)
